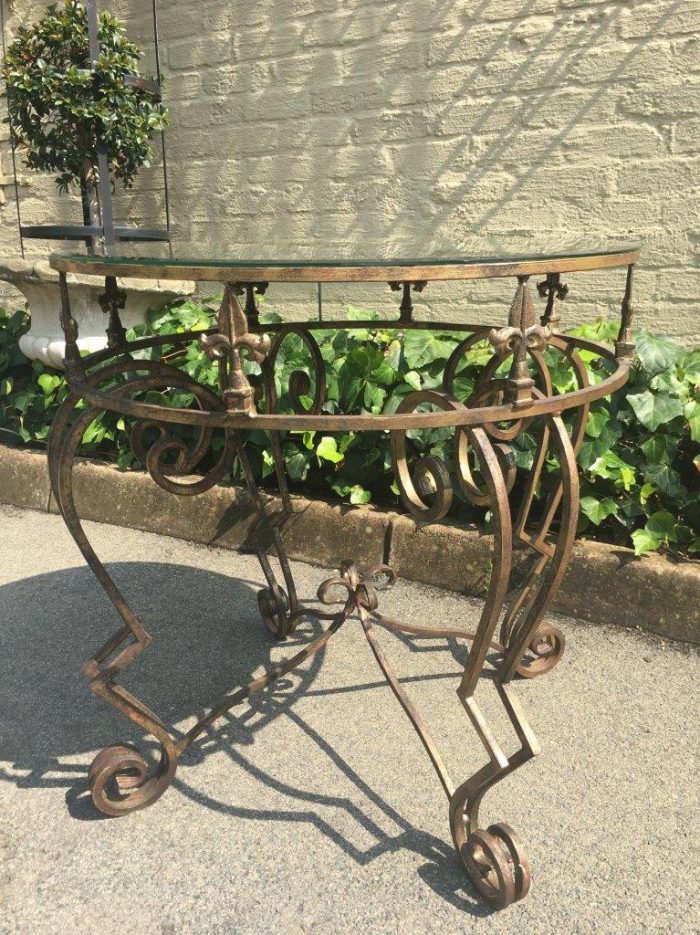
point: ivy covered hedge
(640, 461)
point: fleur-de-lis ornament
(225, 345)
(521, 335)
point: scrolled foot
(496, 861)
(118, 780)
(544, 652)
(274, 610)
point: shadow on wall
(52, 724)
(387, 124)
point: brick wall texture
(355, 127)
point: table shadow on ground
(208, 638)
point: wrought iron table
(514, 392)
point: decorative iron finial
(224, 347)
(521, 335)
(552, 288)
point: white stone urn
(39, 284)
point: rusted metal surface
(514, 393)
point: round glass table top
(482, 259)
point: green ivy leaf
(691, 411)
(663, 526)
(690, 366)
(646, 491)
(594, 448)
(393, 355)
(94, 433)
(655, 409)
(373, 397)
(298, 466)
(327, 450)
(655, 352)
(48, 383)
(627, 477)
(644, 541)
(268, 463)
(597, 419)
(608, 465)
(598, 510)
(423, 347)
(664, 478)
(413, 379)
(659, 448)
(359, 495)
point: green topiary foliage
(59, 108)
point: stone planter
(39, 285)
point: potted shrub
(61, 107)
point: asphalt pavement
(313, 808)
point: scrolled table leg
(495, 858)
(119, 776)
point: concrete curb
(604, 584)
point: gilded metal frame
(513, 392)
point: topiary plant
(61, 104)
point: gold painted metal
(531, 550)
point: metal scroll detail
(493, 856)
(552, 288)
(113, 301)
(300, 382)
(521, 336)
(121, 780)
(426, 488)
(279, 606)
(69, 326)
(166, 455)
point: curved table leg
(119, 776)
(494, 857)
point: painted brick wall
(409, 125)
